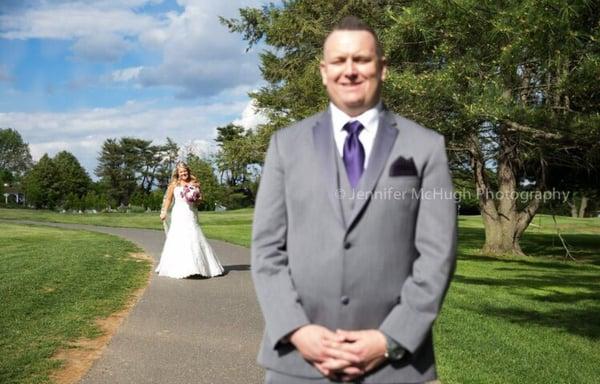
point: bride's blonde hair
(175, 174)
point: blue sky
(74, 73)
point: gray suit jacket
(386, 265)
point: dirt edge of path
(81, 354)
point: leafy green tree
(115, 171)
(238, 161)
(34, 195)
(138, 199)
(98, 198)
(229, 132)
(15, 158)
(231, 167)
(91, 200)
(508, 83)
(40, 184)
(212, 191)
(71, 176)
(168, 154)
(55, 182)
(6, 177)
(72, 202)
(154, 200)
(582, 183)
(138, 156)
(131, 164)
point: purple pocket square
(403, 167)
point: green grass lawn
(232, 226)
(531, 319)
(54, 283)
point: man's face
(351, 71)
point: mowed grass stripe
(54, 283)
(232, 226)
(506, 319)
(531, 319)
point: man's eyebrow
(336, 56)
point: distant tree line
(133, 173)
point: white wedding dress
(186, 251)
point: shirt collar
(369, 119)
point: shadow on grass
(546, 285)
(584, 247)
(575, 312)
(578, 321)
(553, 292)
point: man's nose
(350, 68)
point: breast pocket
(402, 189)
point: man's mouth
(350, 85)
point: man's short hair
(353, 23)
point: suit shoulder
(294, 131)
(417, 130)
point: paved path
(185, 331)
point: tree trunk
(583, 206)
(573, 207)
(504, 224)
(503, 234)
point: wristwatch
(394, 352)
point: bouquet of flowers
(190, 193)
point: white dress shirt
(370, 121)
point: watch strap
(394, 351)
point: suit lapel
(382, 146)
(325, 149)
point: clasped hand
(343, 355)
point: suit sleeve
(277, 296)
(423, 291)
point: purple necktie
(354, 152)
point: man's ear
(384, 67)
(323, 69)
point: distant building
(13, 194)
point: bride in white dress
(186, 251)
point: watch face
(395, 353)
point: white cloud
(117, 3)
(251, 117)
(102, 47)
(190, 50)
(200, 148)
(86, 150)
(74, 20)
(200, 56)
(83, 132)
(127, 74)
(100, 31)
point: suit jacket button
(347, 245)
(345, 300)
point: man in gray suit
(354, 232)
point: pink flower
(190, 193)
